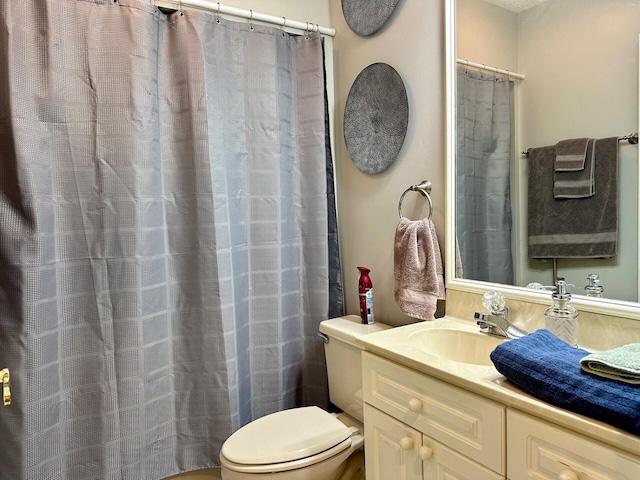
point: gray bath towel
(573, 228)
(575, 183)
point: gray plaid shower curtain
(163, 234)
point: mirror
(579, 59)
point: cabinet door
(442, 463)
(391, 448)
(542, 451)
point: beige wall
(313, 11)
(487, 34)
(412, 42)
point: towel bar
(424, 188)
(632, 138)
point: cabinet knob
(406, 443)
(426, 453)
(568, 474)
(415, 404)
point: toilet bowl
(308, 443)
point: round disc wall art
(375, 118)
(366, 17)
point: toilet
(308, 443)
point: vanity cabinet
(421, 428)
(539, 450)
(418, 427)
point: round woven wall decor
(376, 118)
(366, 17)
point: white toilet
(308, 443)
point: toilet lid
(285, 436)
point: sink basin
(456, 345)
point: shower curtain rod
(251, 15)
(482, 66)
(632, 138)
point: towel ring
(424, 188)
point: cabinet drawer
(459, 419)
(540, 450)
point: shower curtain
(164, 235)
(483, 203)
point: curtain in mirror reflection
(483, 202)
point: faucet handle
(494, 302)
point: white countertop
(483, 380)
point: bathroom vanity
(440, 413)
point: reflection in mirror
(579, 59)
(483, 152)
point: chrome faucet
(496, 322)
(497, 325)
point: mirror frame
(603, 306)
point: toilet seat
(286, 440)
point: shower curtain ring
(284, 25)
(251, 20)
(181, 12)
(306, 32)
(218, 14)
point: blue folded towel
(548, 368)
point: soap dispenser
(561, 318)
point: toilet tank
(344, 367)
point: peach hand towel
(417, 268)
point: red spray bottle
(365, 290)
